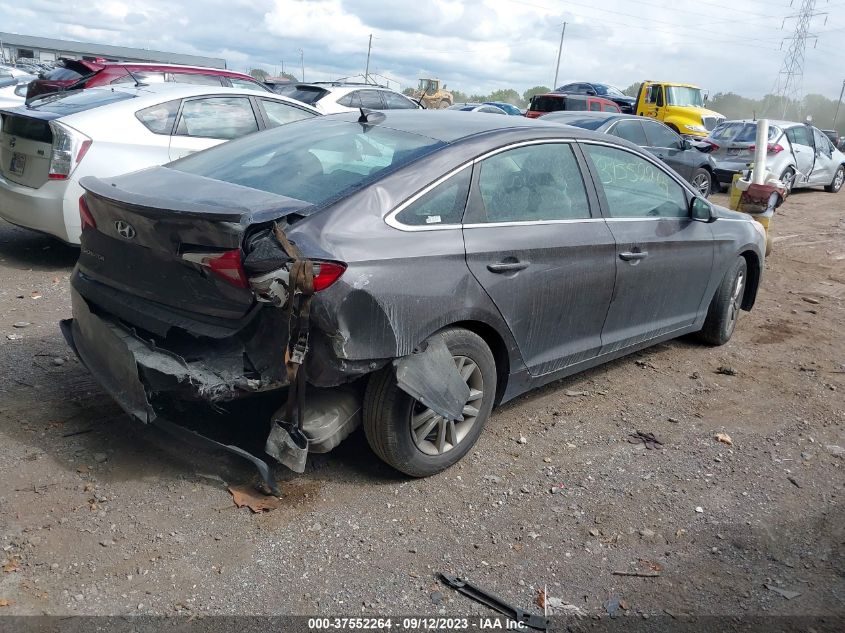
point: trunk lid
(155, 225)
(26, 144)
(70, 73)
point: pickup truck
(680, 106)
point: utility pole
(559, 51)
(367, 70)
(791, 75)
(838, 103)
(302, 63)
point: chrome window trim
(483, 225)
(390, 218)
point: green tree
(536, 90)
(633, 90)
(506, 95)
(259, 74)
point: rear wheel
(702, 181)
(411, 437)
(838, 178)
(724, 309)
(788, 179)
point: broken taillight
(228, 266)
(85, 214)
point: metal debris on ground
(247, 495)
(575, 394)
(724, 438)
(786, 593)
(726, 371)
(650, 440)
(517, 614)
(555, 606)
(614, 605)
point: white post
(758, 174)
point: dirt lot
(99, 515)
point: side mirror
(685, 144)
(701, 210)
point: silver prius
(418, 268)
(799, 154)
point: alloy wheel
(838, 179)
(433, 434)
(702, 184)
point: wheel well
(753, 264)
(497, 346)
(674, 128)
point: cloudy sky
(473, 45)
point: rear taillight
(228, 266)
(326, 273)
(85, 214)
(69, 148)
(771, 148)
(713, 146)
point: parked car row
(47, 146)
(798, 154)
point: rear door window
(395, 101)
(799, 135)
(547, 104)
(606, 107)
(278, 112)
(660, 136)
(217, 117)
(532, 183)
(444, 204)
(631, 130)
(595, 105)
(371, 99)
(159, 119)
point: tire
(702, 182)
(788, 179)
(389, 412)
(444, 103)
(838, 178)
(724, 309)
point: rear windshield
(305, 94)
(62, 74)
(588, 123)
(739, 132)
(64, 103)
(25, 127)
(315, 160)
(547, 104)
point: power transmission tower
(791, 76)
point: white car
(334, 97)
(46, 147)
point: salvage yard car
(697, 167)
(798, 154)
(416, 269)
(46, 147)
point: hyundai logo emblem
(124, 229)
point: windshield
(604, 89)
(315, 161)
(684, 96)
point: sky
(472, 45)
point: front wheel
(414, 439)
(444, 103)
(723, 312)
(702, 182)
(838, 178)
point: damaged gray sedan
(402, 270)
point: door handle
(507, 267)
(632, 256)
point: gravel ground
(100, 515)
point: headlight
(759, 228)
(696, 128)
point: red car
(73, 74)
(556, 101)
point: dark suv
(73, 74)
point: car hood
(701, 111)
